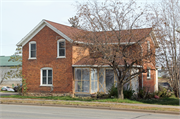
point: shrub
(102, 95)
(128, 93)
(142, 92)
(163, 92)
(113, 92)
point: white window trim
(32, 42)
(148, 46)
(41, 78)
(148, 70)
(58, 48)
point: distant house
(52, 64)
(7, 66)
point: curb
(97, 107)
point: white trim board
(36, 30)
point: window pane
(77, 86)
(61, 52)
(148, 73)
(61, 44)
(101, 80)
(49, 72)
(49, 80)
(85, 86)
(33, 47)
(109, 79)
(33, 53)
(44, 80)
(85, 74)
(93, 80)
(77, 74)
(92, 87)
(44, 73)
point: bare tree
(74, 21)
(108, 42)
(167, 19)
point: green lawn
(162, 101)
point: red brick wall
(148, 64)
(46, 54)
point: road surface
(48, 112)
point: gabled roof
(64, 31)
(72, 34)
(4, 62)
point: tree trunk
(120, 92)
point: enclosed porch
(93, 80)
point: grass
(91, 104)
(162, 101)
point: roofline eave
(38, 28)
(137, 66)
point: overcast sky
(19, 17)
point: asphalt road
(47, 112)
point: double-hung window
(61, 48)
(82, 78)
(148, 74)
(32, 50)
(148, 47)
(46, 77)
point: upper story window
(32, 50)
(46, 76)
(148, 74)
(61, 48)
(148, 46)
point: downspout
(142, 80)
(141, 64)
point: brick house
(52, 65)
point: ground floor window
(92, 80)
(82, 80)
(46, 76)
(109, 79)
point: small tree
(17, 73)
(108, 43)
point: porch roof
(97, 62)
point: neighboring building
(7, 66)
(51, 64)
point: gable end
(36, 30)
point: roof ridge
(63, 24)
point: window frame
(61, 40)
(148, 47)
(30, 43)
(41, 76)
(148, 72)
(82, 80)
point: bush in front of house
(113, 92)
